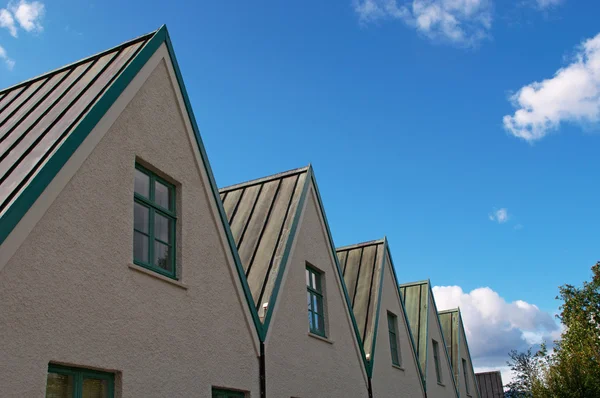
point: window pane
(161, 256)
(309, 301)
(313, 281)
(307, 278)
(162, 227)
(95, 388)
(59, 386)
(140, 247)
(142, 184)
(317, 323)
(310, 320)
(315, 305)
(141, 215)
(162, 195)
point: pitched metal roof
(362, 268)
(490, 384)
(261, 213)
(449, 320)
(38, 115)
(416, 304)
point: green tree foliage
(572, 370)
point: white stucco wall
(68, 295)
(388, 380)
(298, 365)
(435, 389)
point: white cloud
(29, 14)
(500, 215)
(495, 326)
(7, 21)
(463, 22)
(10, 64)
(572, 95)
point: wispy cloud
(518, 227)
(571, 95)
(8, 22)
(26, 15)
(461, 22)
(542, 4)
(29, 14)
(499, 215)
(10, 64)
(495, 326)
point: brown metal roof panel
(231, 201)
(342, 257)
(9, 97)
(373, 300)
(352, 270)
(14, 105)
(47, 135)
(275, 261)
(240, 218)
(364, 284)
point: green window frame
(316, 314)
(394, 346)
(222, 393)
(154, 223)
(436, 359)
(465, 370)
(70, 382)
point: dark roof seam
(345, 263)
(77, 119)
(264, 226)
(13, 99)
(362, 250)
(79, 62)
(237, 205)
(370, 293)
(43, 134)
(248, 222)
(41, 100)
(272, 261)
(10, 115)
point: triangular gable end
(19, 196)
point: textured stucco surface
(68, 296)
(435, 390)
(389, 381)
(298, 365)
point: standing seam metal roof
(260, 213)
(490, 384)
(362, 267)
(37, 116)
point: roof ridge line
(74, 64)
(449, 310)
(264, 179)
(361, 244)
(421, 282)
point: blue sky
(406, 111)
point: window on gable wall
(393, 333)
(316, 317)
(154, 220)
(464, 366)
(221, 393)
(436, 359)
(68, 382)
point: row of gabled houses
(126, 272)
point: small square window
(465, 374)
(436, 359)
(154, 220)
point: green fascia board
(47, 173)
(443, 339)
(412, 341)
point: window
(464, 366)
(220, 393)
(316, 318)
(66, 382)
(436, 359)
(154, 222)
(392, 328)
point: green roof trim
(36, 186)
